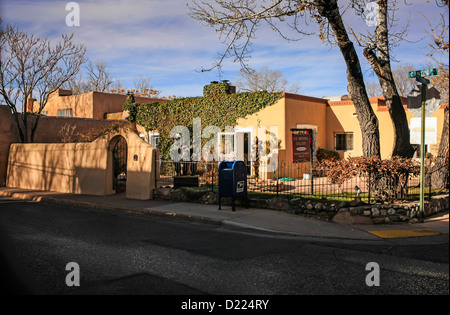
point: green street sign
(422, 73)
(422, 80)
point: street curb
(140, 211)
(20, 196)
(225, 223)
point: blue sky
(158, 39)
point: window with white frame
(153, 139)
(66, 112)
(226, 145)
(343, 141)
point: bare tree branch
(34, 65)
(99, 78)
(265, 80)
(143, 87)
(237, 21)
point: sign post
(303, 150)
(419, 76)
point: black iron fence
(298, 180)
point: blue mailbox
(233, 182)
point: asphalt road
(119, 253)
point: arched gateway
(118, 147)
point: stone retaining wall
(391, 213)
(353, 212)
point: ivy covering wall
(217, 108)
(216, 89)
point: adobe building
(96, 105)
(48, 131)
(342, 113)
(333, 122)
(118, 161)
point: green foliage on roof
(131, 106)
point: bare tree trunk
(34, 127)
(381, 64)
(368, 121)
(25, 125)
(16, 119)
(440, 175)
(402, 145)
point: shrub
(388, 178)
(324, 154)
(67, 133)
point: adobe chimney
(30, 103)
(62, 92)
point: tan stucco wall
(340, 119)
(115, 116)
(68, 168)
(88, 105)
(143, 174)
(46, 132)
(387, 130)
(83, 168)
(82, 104)
(440, 124)
(270, 116)
(304, 110)
(289, 112)
(113, 103)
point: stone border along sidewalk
(353, 212)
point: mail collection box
(232, 182)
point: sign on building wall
(430, 130)
(301, 147)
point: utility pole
(419, 76)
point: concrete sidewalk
(259, 220)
